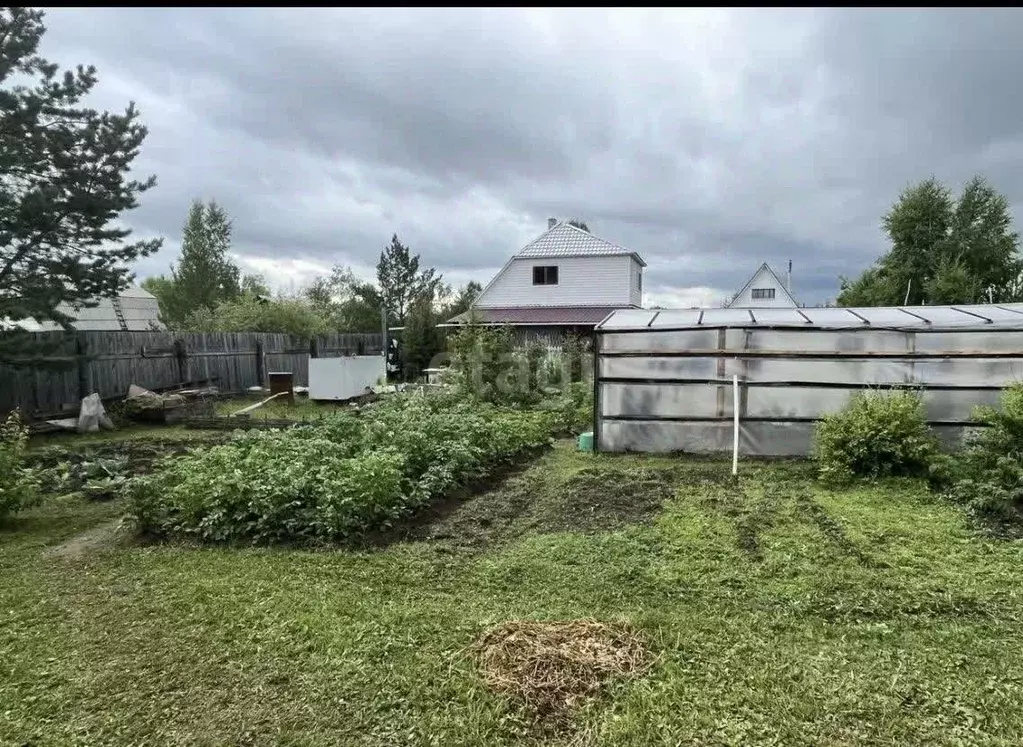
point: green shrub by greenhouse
(878, 434)
(987, 476)
(350, 475)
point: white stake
(735, 424)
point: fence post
(314, 348)
(181, 356)
(82, 364)
(260, 379)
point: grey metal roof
(134, 310)
(564, 240)
(960, 316)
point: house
(764, 290)
(132, 310)
(565, 281)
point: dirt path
(554, 494)
(96, 538)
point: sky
(708, 141)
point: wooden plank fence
(109, 362)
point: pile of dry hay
(550, 666)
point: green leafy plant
(96, 478)
(987, 476)
(18, 485)
(573, 407)
(487, 367)
(878, 434)
(343, 477)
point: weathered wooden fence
(109, 362)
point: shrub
(344, 477)
(878, 434)
(987, 476)
(18, 488)
(574, 408)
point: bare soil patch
(533, 500)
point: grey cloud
(708, 141)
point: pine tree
(63, 182)
(401, 281)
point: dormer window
(760, 294)
(545, 275)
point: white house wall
(763, 279)
(635, 279)
(582, 281)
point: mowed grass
(779, 612)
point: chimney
(551, 223)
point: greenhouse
(698, 380)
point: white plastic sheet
(92, 416)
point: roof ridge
(574, 241)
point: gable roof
(753, 277)
(564, 240)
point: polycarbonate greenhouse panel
(1001, 315)
(799, 402)
(976, 342)
(665, 400)
(755, 439)
(782, 439)
(654, 341)
(964, 372)
(670, 389)
(861, 342)
(677, 318)
(901, 317)
(652, 367)
(630, 318)
(781, 317)
(897, 318)
(650, 436)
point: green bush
(487, 366)
(18, 488)
(987, 476)
(573, 408)
(878, 434)
(344, 477)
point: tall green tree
(351, 304)
(943, 250)
(467, 294)
(251, 313)
(421, 339)
(255, 284)
(63, 182)
(401, 281)
(204, 276)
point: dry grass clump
(550, 666)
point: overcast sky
(708, 141)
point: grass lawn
(279, 409)
(780, 613)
